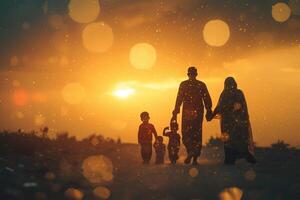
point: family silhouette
(194, 98)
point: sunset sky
(89, 66)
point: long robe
(235, 124)
(193, 94)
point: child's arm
(164, 131)
(139, 135)
(154, 131)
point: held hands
(209, 115)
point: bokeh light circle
(84, 11)
(142, 56)
(73, 194)
(250, 175)
(216, 33)
(97, 37)
(98, 169)
(232, 193)
(102, 192)
(39, 120)
(193, 172)
(281, 12)
(20, 97)
(73, 93)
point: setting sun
(123, 93)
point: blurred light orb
(281, 12)
(232, 193)
(216, 33)
(50, 176)
(73, 194)
(97, 169)
(295, 6)
(97, 37)
(94, 141)
(20, 115)
(84, 11)
(20, 97)
(123, 93)
(39, 120)
(250, 175)
(193, 172)
(73, 93)
(102, 192)
(142, 56)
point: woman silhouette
(235, 124)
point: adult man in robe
(194, 96)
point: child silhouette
(160, 150)
(174, 141)
(146, 130)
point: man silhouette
(193, 94)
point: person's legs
(230, 156)
(186, 140)
(197, 138)
(146, 151)
(250, 158)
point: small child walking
(145, 137)
(160, 150)
(174, 141)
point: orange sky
(146, 57)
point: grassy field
(36, 167)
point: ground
(117, 173)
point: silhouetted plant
(280, 145)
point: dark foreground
(67, 169)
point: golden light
(216, 33)
(74, 194)
(73, 93)
(124, 93)
(142, 56)
(193, 172)
(39, 120)
(232, 193)
(118, 125)
(102, 192)
(84, 11)
(20, 97)
(97, 169)
(97, 37)
(281, 12)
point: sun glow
(123, 93)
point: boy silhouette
(160, 150)
(145, 136)
(174, 141)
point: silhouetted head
(145, 116)
(174, 126)
(160, 139)
(230, 84)
(192, 72)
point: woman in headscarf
(235, 124)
